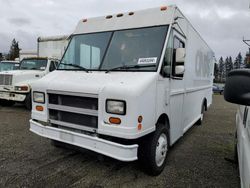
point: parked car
(9, 65)
(218, 89)
(237, 90)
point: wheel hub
(161, 150)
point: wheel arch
(164, 120)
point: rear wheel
(153, 151)
(199, 122)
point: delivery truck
(26, 54)
(128, 86)
(16, 86)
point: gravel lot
(196, 160)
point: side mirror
(179, 70)
(180, 55)
(167, 70)
(237, 87)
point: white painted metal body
(243, 144)
(147, 94)
(52, 47)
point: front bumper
(108, 148)
(10, 96)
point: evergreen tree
(229, 65)
(239, 62)
(216, 72)
(14, 50)
(247, 60)
(221, 72)
(1, 56)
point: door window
(52, 66)
(178, 43)
(166, 69)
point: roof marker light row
(163, 8)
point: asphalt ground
(196, 160)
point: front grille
(6, 79)
(74, 110)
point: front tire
(153, 151)
(6, 103)
(27, 102)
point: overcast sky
(222, 23)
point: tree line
(224, 66)
(13, 52)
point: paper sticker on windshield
(42, 68)
(150, 60)
(16, 65)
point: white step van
(128, 86)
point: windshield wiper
(126, 67)
(74, 65)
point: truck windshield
(33, 64)
(6, 66)
(133, 49)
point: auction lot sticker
(150, 60)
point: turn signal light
(39, 108)
(139, 127)
(116, 121)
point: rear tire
(153, 151)
(199, 122)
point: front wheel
(153, 151)
(6, 103)
(27, 102)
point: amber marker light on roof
(131, 13)
(119, 15)
(84, 20)
(109, 17)
(164, 8)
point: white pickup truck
(16, 85)
(128, 86)
(237, 91)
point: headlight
(38, 97)
(115, 107)
(21, 88)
